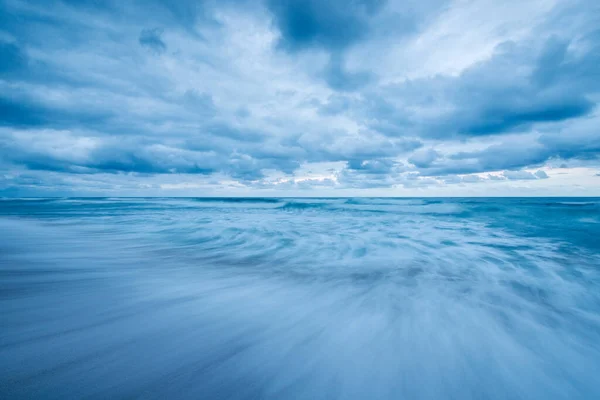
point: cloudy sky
(299, 97)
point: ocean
(300, 298)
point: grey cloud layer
(246, 90)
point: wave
(405, 206)
(578, 203)
(385, 201)
(244, 200)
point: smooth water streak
(300, 298)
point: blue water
(125, 298)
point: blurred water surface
(300, 298)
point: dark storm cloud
(580, 140)
(330, 24)
(495, 99)
(26, 112)
(131, 156)
(151, 38)
(16, 113)
(336, 26)
(493, 158)
(502, 156)
(577, 140)
(62, 151)
(12, 59)
(519, 87)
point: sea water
(279, 298)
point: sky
(299, 98)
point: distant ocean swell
(300, 298)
